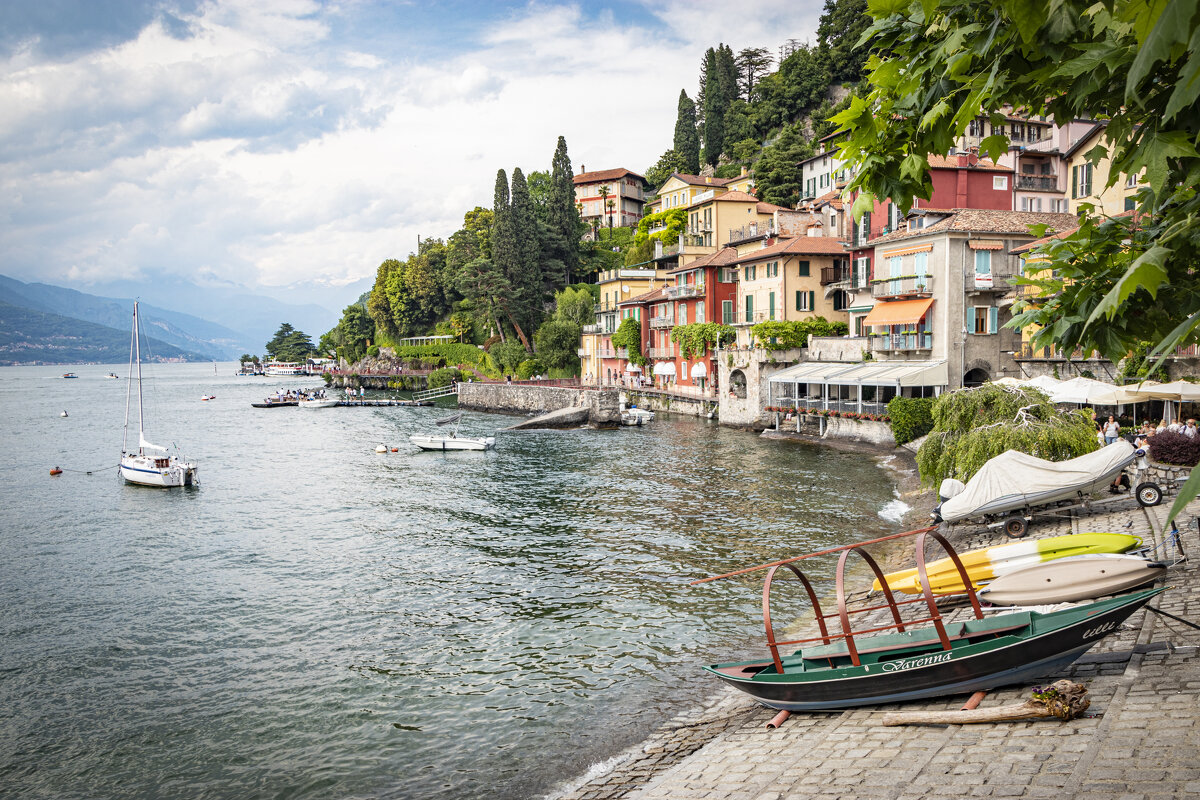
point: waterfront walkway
(1139, 741)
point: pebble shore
(1139, 741)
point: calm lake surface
(319, 621)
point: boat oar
(1062, 699)
(1160, 612)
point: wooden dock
(375, 403)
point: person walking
(1112, 430)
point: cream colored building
(787, 280)
(616, 286)
(1087, 182)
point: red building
(705, 290)
(619, 369)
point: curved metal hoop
(766, 605)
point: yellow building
(719, 220)
(787, 280)
(1088, 183)
(616, 286)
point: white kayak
(1067, 580)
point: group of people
(1110, 430)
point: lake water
(319, 621)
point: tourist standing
(1112, 430)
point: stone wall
(604, 404)
(854, 430)
(837, 348)
(756, 367)
(674, 404)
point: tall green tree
(839, 32)
(289, 344)
(563, 217)
(714, 109)
(687, 137)
(378, 304)
(527, 280)
(506, 259)
(752, 64)
(936, 65)
(791, 92)
(777, 174)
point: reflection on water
(321, 621)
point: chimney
(582, 168)
(708, 180)
(744, 172)
(963, 160)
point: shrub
(912, 417)
(373, 350)
(443, 377)
(1175, 448)
(530, 367)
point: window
(983, 270)
(840, 301)
(682, 315)
(1131, 181)
(1130, 203)
(699, 311)
(921, 264)
(1081, 180)
(805, 300)
(982, 320)
(862, 273)
(751, 272)
(803, 267)
(727, 312)
(727, 274)
(1000, 182)
(894, 268)
(749, 308)
(1031, 204)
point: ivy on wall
(629, 335)
(694, 339)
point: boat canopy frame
(844, 612)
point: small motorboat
(894, 660)
(208, 397)
(318, 402)
(989, 563)
(451, 441)
(112, 376)
(1068, 580)
(70, 375)
(635, 416)
(273, 402)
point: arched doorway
(737, 384)
(976, 377)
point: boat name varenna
(910, 663)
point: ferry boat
(284, 368)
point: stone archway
(737, 384)
(976, 376)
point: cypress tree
(714, 110)
(526, 279)
(563, 214)
(505, 256)
(687, 137)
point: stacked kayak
(985, 565)
(1068, 580)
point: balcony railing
(902, 285)
(685, 291)
(607, 305)
(917, 340)
(591, 330)
(1038, 183)
(665, 321)
(1048, 353)
(750, 231)
(621, 352)
(656, 229)
(606, 352)
(661, 352)
(753, 317)
(834, 275)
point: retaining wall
(854, 430)
(603, 405)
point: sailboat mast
(137, 343)
(129, 383)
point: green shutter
(812, 300)
(803, 269)
(1074, 182)
(771, 302)
(799, 302)
(749, 308)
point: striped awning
(908, 251)
(985, 244)
(899, 312)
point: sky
(280, 143)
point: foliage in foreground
(971, 426)
(911, 417)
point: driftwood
(1062, 699)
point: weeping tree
(971, 426)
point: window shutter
(1074, 182)
(771, 302)
(993, 320)
(854, 272)
(970, 319)
(812, 300)
(803, 269)
(799, 302)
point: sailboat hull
(144, 472)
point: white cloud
(262, 150)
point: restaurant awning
(632, 367)
(664, 368)
(870, 373)
(899, 312)
(699, 370)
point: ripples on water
(321, 621)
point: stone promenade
(1140, 740)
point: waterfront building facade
(597, 355)
(610, 198)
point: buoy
(381, 449)
(63, 414)
(395, 449)
(56, 471)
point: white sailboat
(150, 464)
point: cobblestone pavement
(1140, 740)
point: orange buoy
(56, 471)
(395, 449)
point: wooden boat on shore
(1068, 580)
(988, 563)
(907, 659)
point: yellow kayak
(984, 565)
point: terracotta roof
(736, 197)
(951, 162)
(798, 246)
(606, 175)
(974, 220)
(825, 198)
(722, 258)
(770, 208)
(644, 297)
(698, 180)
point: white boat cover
(1014, 480)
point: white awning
(868, 373)
(632, 367)
(699, 370)
(664, 368)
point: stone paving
(1139, 741)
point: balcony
(902, 285)
(1037, 183)
(591, 330)
(665, 321)
(656, 229)
(661, 352)
(834, 275)
(752, 317)
(751, 231)
(621, 352)
(581, 352)
(607, 305)
(1047, 353)
(914, 341)
(684, 292)
(606, 352)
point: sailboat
(150, 464)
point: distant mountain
(256, 316)
(29, 336)
(181, 330)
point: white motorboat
(318, 402)
(451, 441)
(150, 464)
(636, 416)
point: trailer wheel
(1148, 494)
(1016, 526)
